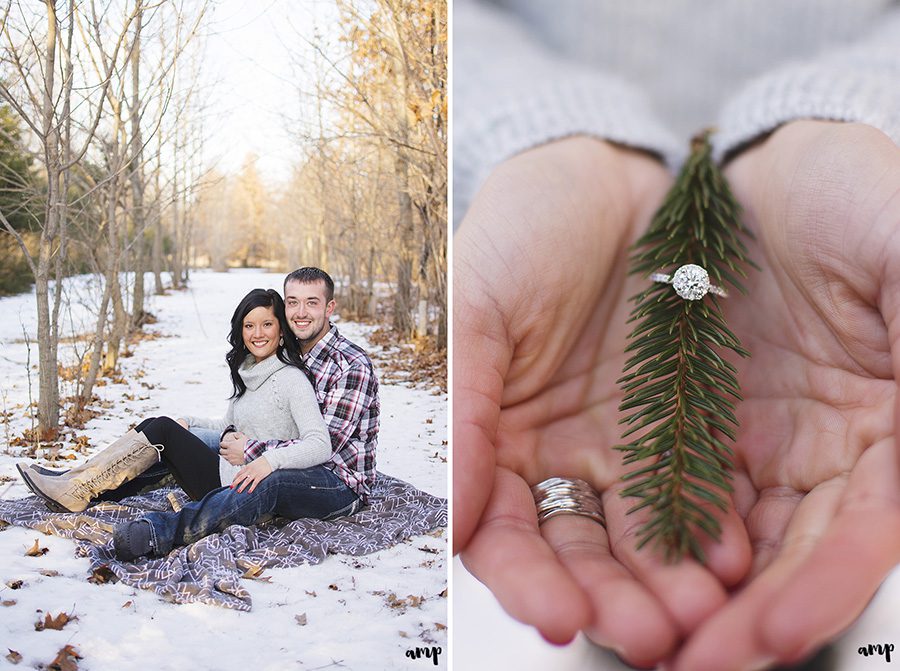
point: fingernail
(761, 664)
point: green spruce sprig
(679, 391)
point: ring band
(691, 282)
(567, 496)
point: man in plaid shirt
(342, 376)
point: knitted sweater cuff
(810, 93)
(597, 106)
(859, 83)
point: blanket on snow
(210, 570)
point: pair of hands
(540, 308)
(231, 448)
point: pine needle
(679, 391)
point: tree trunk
(48, 375)
(403, 299)
(87, 386)
(137, 176)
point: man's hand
(251, 475)
(818, 480)
(232, 448)
(540, 311)
(183, 422)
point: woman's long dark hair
(288, 350)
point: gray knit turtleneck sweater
(651, 73)
(279, 403)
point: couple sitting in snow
(273, 454)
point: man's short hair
(310, 274)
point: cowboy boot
(47, 471)
(126, 458)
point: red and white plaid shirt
(347, 391)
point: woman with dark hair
(272, 399)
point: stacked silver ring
(567, 496)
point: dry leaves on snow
(51, 622)
(36, 550)
(411, 600)
(301, 619)
(14, 656)
(253, 571)
(102, 575)
(66, 660)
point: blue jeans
(292, 493)
(208, 436)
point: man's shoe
(132, 540)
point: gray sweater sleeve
(511, 93)
(313, 445)
(859, 82)
(217, 423)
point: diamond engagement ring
(691, 282)
(567, 496)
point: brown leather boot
(123, 460)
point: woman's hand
(251, 474)
(231, 449)
(539, 324)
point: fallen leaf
(14, 584)
(253, 571)
(36, 550)
(173, 501)
(439, 626)
(127, 604)
(444, 593)
(415, 601)
(8, 602)
(14, 656)
(310, 593)
(102, 575)
(50, 622)
(301, 619)
(49, 572)
(65, 660)
(333, 586)
(403, 634)
(433, 551)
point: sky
(255, 80)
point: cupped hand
(818, 481)
(540, 311)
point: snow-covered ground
(360, 612)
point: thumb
(481, 358)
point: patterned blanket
(210, 570)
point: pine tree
(679, 391)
